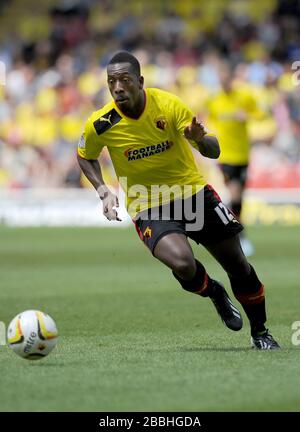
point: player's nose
(118, 87)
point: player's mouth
(121, 100)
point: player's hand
(195, 131)
(109, 201)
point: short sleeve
(89, 145)
(252, 107)
(182, 115)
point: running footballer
(149, 133)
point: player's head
(125, 81)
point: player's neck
(227, 88)
(138, 109)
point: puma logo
(106, 119)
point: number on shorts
(223, 213)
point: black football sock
(249, 291)
(236, 207)
(199, 284)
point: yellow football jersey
(150, 154)
(232, 133)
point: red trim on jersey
(214, 192)
(138, 230)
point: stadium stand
(55, 55)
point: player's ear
(141, 81)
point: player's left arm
(208, 145)
(186, 124)
(251, 109)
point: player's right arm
(87, 156)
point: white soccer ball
(32, 334)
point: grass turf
(130, 338)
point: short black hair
(126, 57)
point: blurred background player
(229, 111)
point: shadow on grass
(199, 349)
(52, 364)
(213, 349)
(231, 349)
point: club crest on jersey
(148, 232)
(150, 150)
(161, 123)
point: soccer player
(229, 112)
(149, 133)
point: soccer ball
(32, 334)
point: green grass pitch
(130, 338)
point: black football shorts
(215, 224)
(236, 173)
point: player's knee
(184, 266)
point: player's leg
(175, 251)
(235, 189)
(167, 240)
(235, 178)
(220, 235)
(247, 288)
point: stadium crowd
(55, 56)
